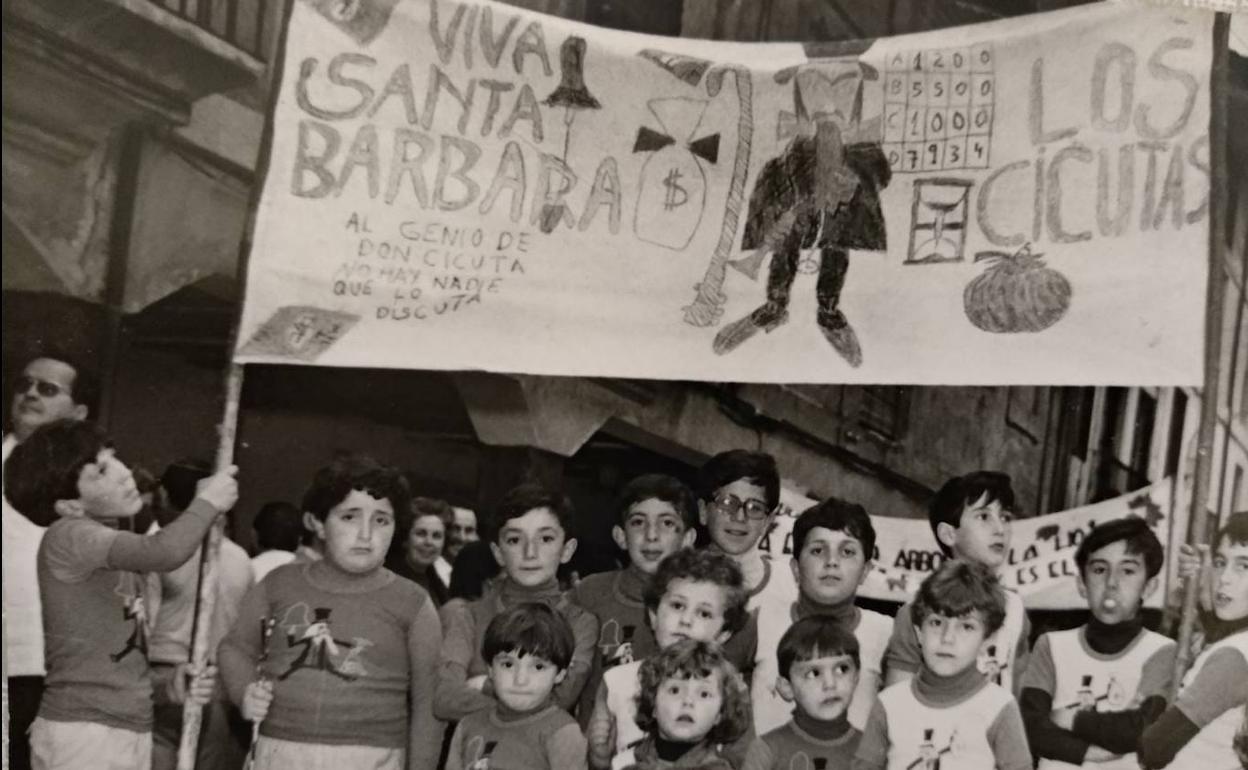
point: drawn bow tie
(649, 140)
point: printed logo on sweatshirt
(310, 629)
(1092, 697)
(477, 753)
(615, 643)
(933, 751)
(130, 589)
(803, 761)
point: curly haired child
(691, 703)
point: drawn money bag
(672, 191)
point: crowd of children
(714, 657)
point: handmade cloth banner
(471, 186)
(1041, 560)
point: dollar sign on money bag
(672, 190)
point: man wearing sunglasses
(50, 387)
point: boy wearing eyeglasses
(739, 498)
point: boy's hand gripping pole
(206, 601)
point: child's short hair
(703, 566)
(689, 659)
(960, 491)
(180, 480)
(45, 467)
(838, 516)
(658, 486)
(956, 589)
(1235, 531)
(530, 629)
(331, 485)
(814, 637)
(1131, 530)
(726, 467)
(278, 526)
(527, 497)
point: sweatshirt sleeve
(424, 730)
(167, 549)
(1120, 731)
(601, 731)
(585, 631)
(1022, 655)
(566, 748)
(241, 649)
(873, 748)
(454, 754)
(453, 699)
(1220, 685)
(759, 757)
(1039, 683)
(1009, 740)
(902, 654)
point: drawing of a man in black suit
(822, 191)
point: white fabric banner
(471, 186)
(1041, 562)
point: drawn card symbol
(938, 229)
(299, 332)
(1017, 293)
(363, 20)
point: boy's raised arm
(453, 699)
(170, 547)
(424, 638)
(242, 647)
(585, 631)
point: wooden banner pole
(1219, 182)
(206, 601)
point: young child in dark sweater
(528, 647)
(345, 677)
(655, 517)
(98, 697)
(1089, 692)
(818, 674)
(949, 715)
(690, 704)
(529, 538)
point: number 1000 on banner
(938, 109)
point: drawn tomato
(1017, 293)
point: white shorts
(276, 754)
(87, 746)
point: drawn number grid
(939, 109)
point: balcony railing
(243, 24)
